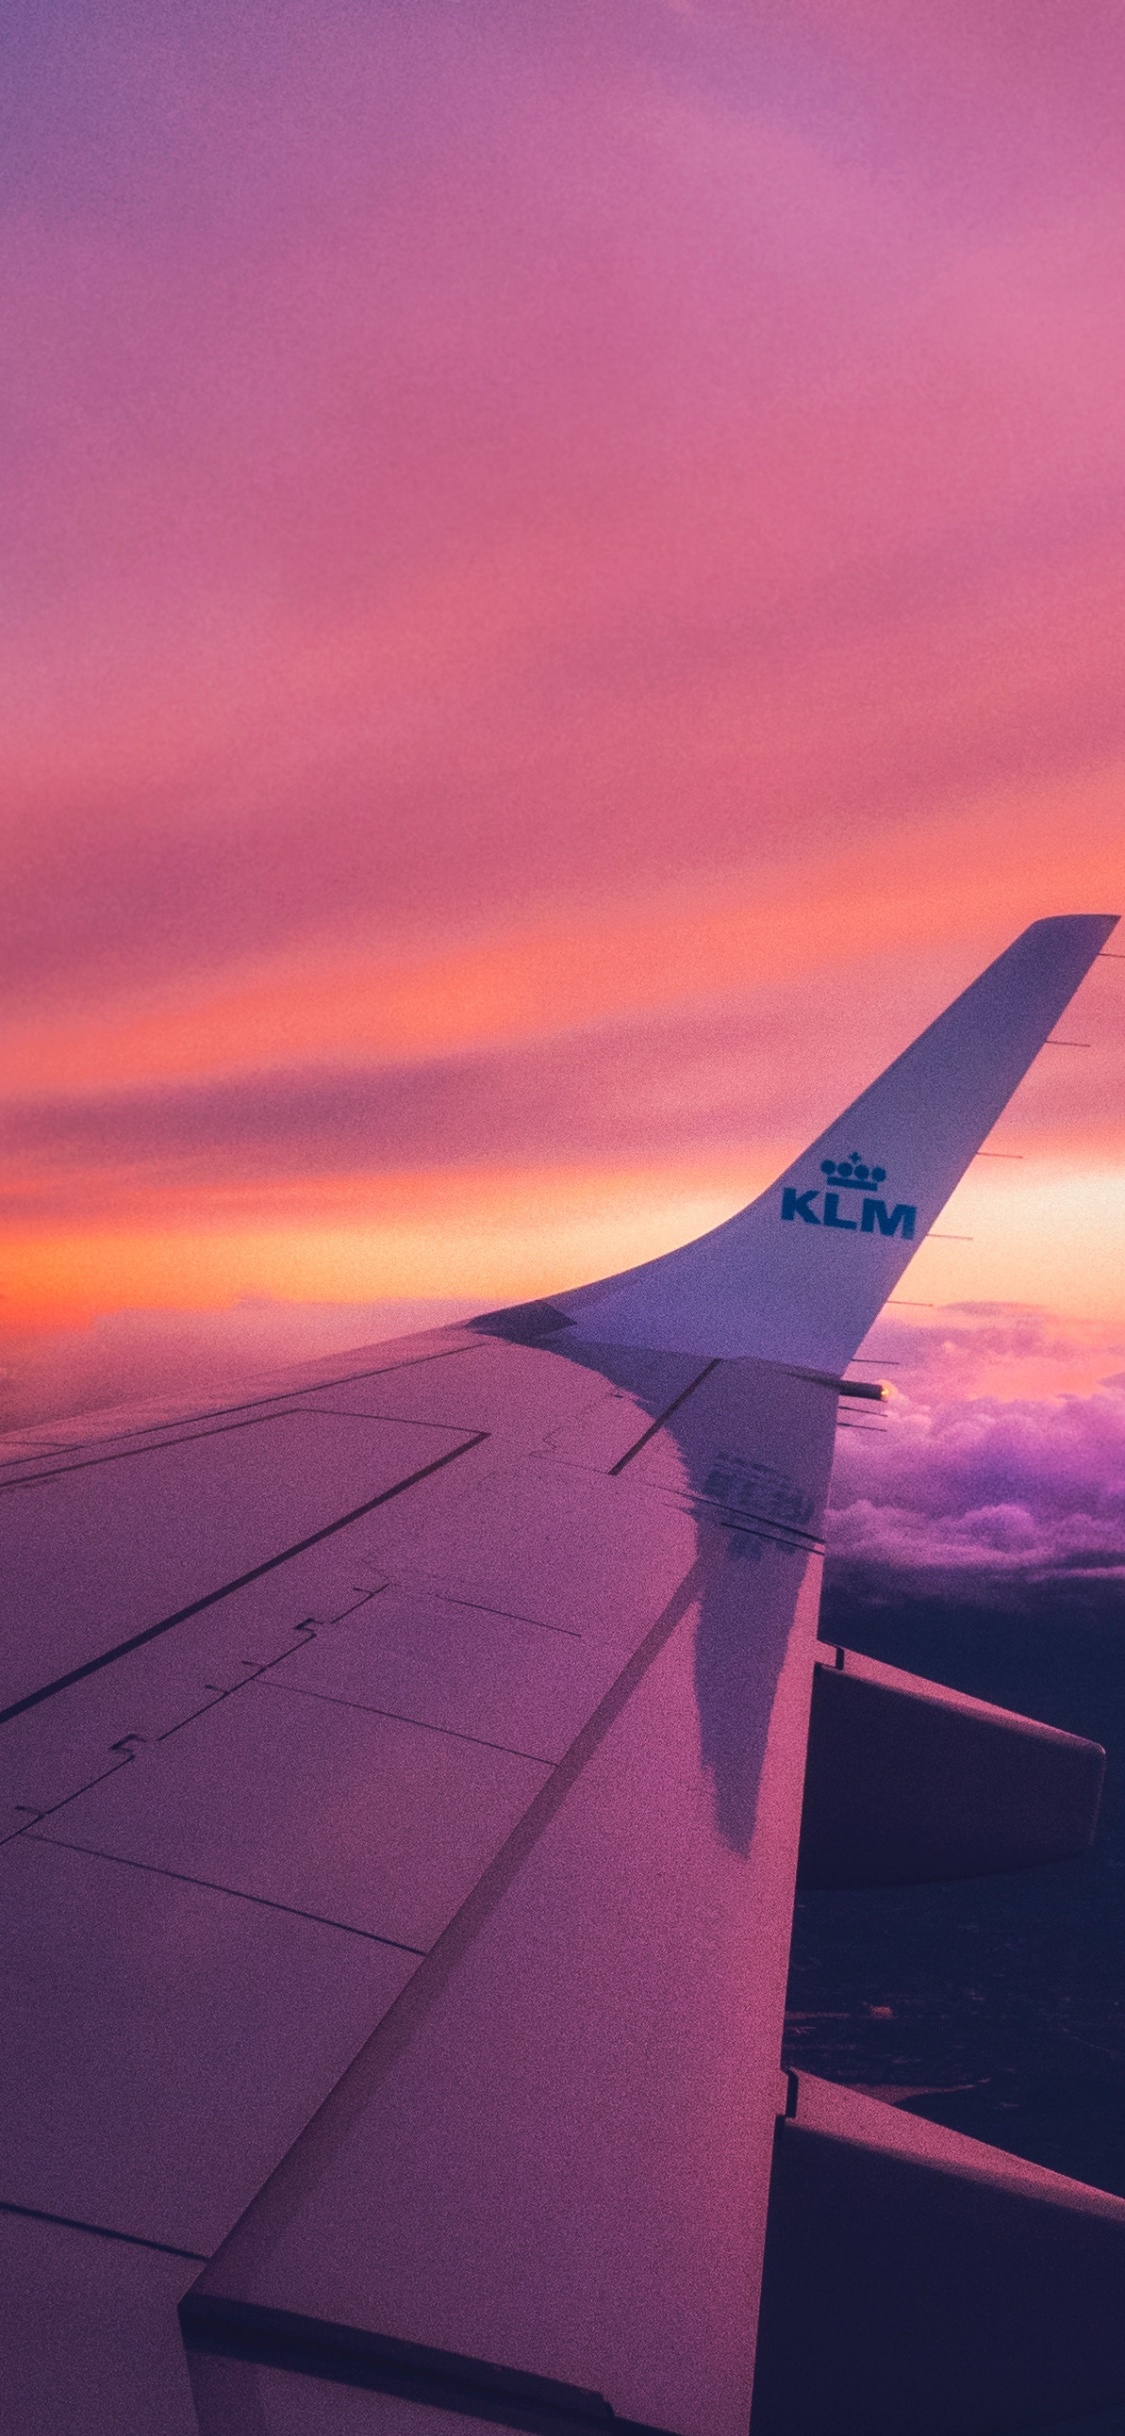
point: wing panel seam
(152, 1632)
(392, 2035)
(78, 2224)
(661, 1418)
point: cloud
(1028, 1489)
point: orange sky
(567, 597)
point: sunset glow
(564, 596)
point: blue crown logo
(853, 1170)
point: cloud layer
(1025, 1489)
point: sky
(564, 594)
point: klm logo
(851, 1176)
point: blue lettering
(903, 1214)
(832, 1213)
(796, 1205)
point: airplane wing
(402, 1792)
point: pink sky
(564, 593)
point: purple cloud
(1029, 1488)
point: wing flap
(906, 1781)
(917, 2279)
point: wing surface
(401, 1785)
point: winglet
(800, 1274)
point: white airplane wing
(402, 1789)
